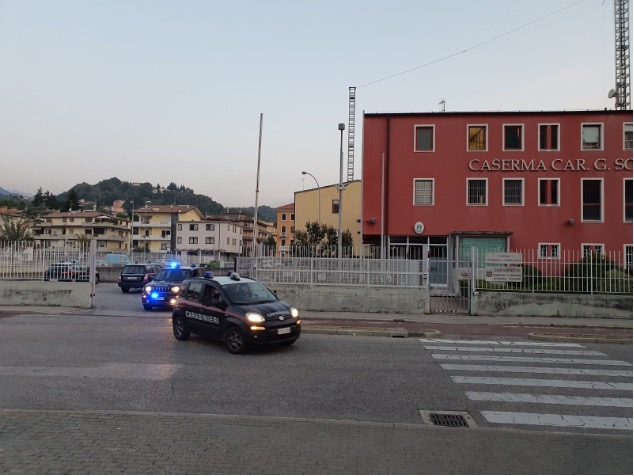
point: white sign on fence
(508, 274)
(503, 258)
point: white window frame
(210, 240)
(521, 126)
(504, 180)
(433, 137)
(556, 179)
(486, 195)
(625, 180)
(433, 192)
(625, 124)
(193, 240)
(486, 135)
(549, 247)
(628, 265)
(283, 217)
(601, 134)
(594, 246)
(602, 219)
(539, 126)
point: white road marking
(514, 351)
(530, 382)
(542, 360)
(113, 370)
(537, 370)
(493, 342)
(610, 423)
(551, 399)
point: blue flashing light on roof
(174, 264)
(193, 265)
(208, 275)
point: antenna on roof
(442, 105)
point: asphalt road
(118, 394)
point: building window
(283, 229)
(588, 249)
(591, 137)
(423, 191)
(513, 137)
(210, 240)
(283, 217)
(477, 192)
(193, 227)
(513, 191)
(292, 217)
(180, 227)
(549, 250)
(164, 246)
(193, 240)
(591, 199)
(627, 200)
(548, 192)
(335, 206)
(549, 137)
(210, 227)
(477, 137)
(627, 136)
(292, 229)
(628, 252)
(424, 139)
(179, 240)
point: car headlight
(294, 312)
(175, 289)
(255, 318)
(148, 289)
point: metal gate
(449, 287)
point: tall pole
(257, 189)
(132, 229)
(342, 127)
(318, 197)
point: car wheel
(147, 307)
(125, 290)
(235, 341)
(180, 328)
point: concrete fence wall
(492, 303)
(44, 293)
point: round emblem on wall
(419, 227)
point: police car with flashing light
(164, 289)
(240, 312)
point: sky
(167, 91)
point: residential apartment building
(154, 226)
(212, 239)
(321, 205)
(542, 181)
(265, 231)
(60, 230)
(285, 227)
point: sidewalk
(421, 325)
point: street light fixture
(318, 197)
(342, 127)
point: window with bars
(549, 250)
(592, 196)
(548, 192)
(588, 249)
(549, 137)
(476, 191)
(513, 139)
(591, 137)
(477, 136)
(513, 192)
(424, 139)
(423, 191)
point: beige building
(265, 231)
(322, 205)
(212, 239)
(60, 230)
(154, 226)
(285, 227)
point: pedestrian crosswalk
(566, 384)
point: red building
(543, 181)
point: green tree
(72, 201)
(320, 239)
(15, 229)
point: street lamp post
(318, 197)
(342, 127)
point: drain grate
(448, 419)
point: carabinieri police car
(163, 290)
(238, 311)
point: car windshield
(249, 293)
(134, 270)
(173, 275)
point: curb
(582, 338)
(367, 331)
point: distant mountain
(4, 192)
(13, 193)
